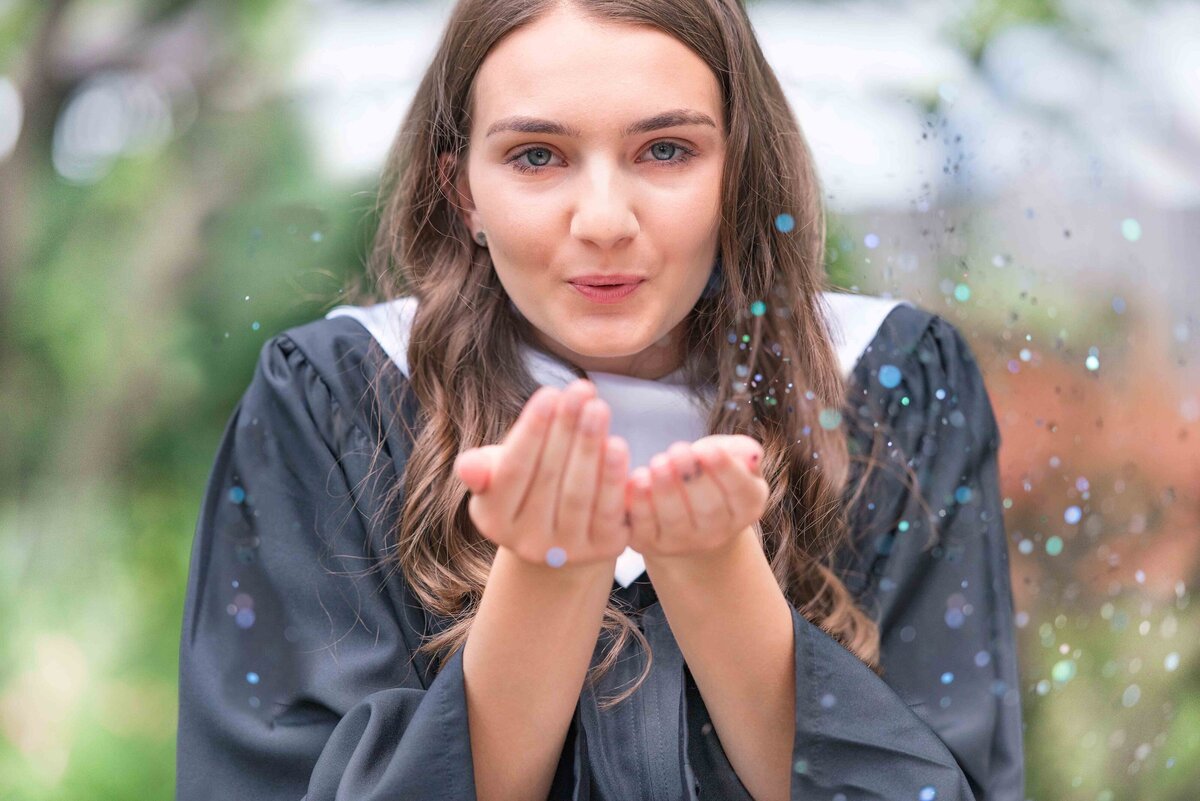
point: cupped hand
(696, 497)
(553, 491)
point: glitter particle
(785, 223)
(1063, 671)
(758, 308)
(830, 419)
(1131, 229)
(1054, 546)
(237, 494)
(556, 557)
(889, 376)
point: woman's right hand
(553, 492)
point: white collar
(648, 414)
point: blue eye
(537, 151)
(684, 155)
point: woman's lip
(607, 294)
(607, 280)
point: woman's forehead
(565, 65)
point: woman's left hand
(696, 497)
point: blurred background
(180, 180)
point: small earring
(481, 238)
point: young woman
(714, 531)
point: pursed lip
(606, 280)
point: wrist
(713, 559)
(568, 573)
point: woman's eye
(536, 155)
(539, 157)
(660, 147)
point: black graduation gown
(299, 677)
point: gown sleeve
(938, 580)
(298, 673)
(943, 721)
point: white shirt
(648, 414)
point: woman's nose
(604, 211)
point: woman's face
(597, 150)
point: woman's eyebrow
(667, 119)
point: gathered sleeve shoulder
(931, 563)
(298, 670)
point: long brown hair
(773, 364)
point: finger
(674, 518)
(745, 451)
(719, 466)
(578, 484)
(474, 467)
(610, 532)
(742, 478)
(643, 521)
(703, 495)
(520, 453)
(538, 508)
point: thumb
(474, 466)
